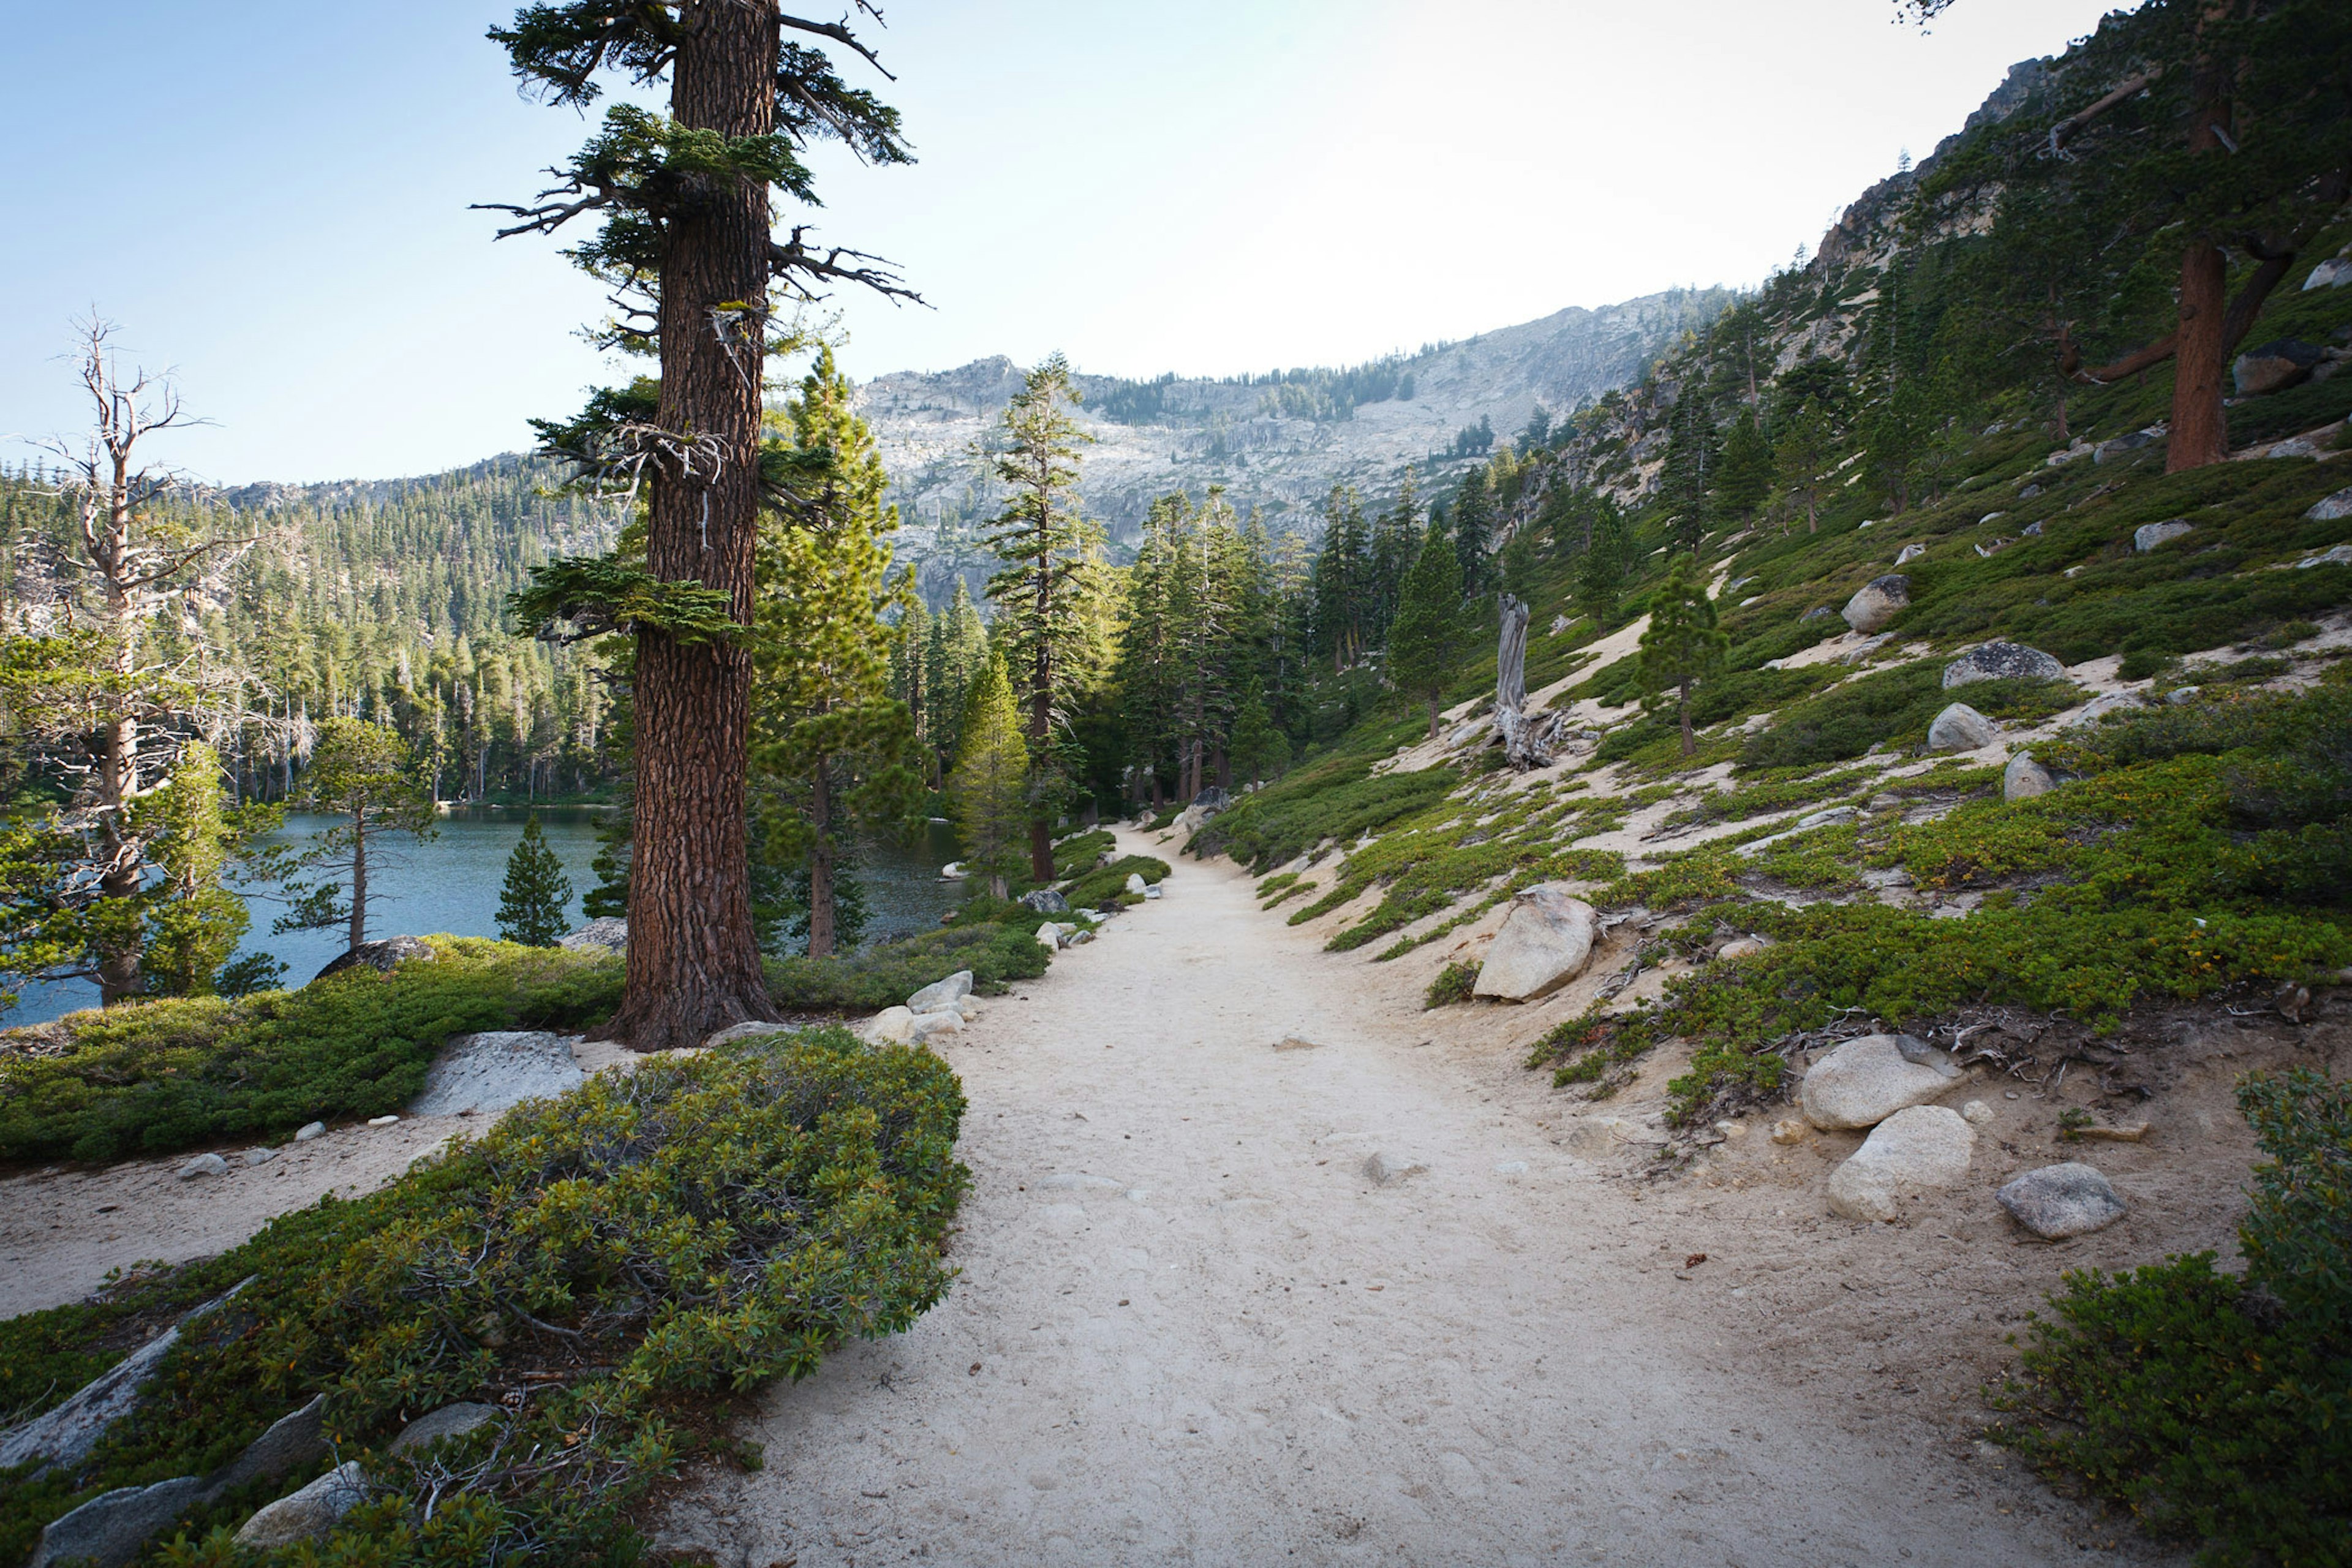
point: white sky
(279, 208)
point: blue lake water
(451, 882)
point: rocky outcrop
(2059, 1201)
(1959, 728)
(607, 935)
(489, 1072)
(307, 1514)
(1545, 943)
(450, 1421)
(2001, 662)
(2149, 535)
(1045, 902)
(1914, 1152)
(941, 993)
(2332, 508)
(381, 956)
(2024, 778)
(1863, 1081)
(2275, 366)
(1877, 602)
(65, 1436)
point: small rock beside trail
(922, 1027)
(1920, 1149)
(608, 934)
(1789, 1130)
(1045, 902)
(2059, 1201)
(1545, 943)
(490, 1072)
(1877, 602)
(942, 994)
(1959, 728)
(1863, 1081)
(2003, 661)
(1976, 1113)
(1294, 1043)
(1137, 885)
(382, 1120)
(311, 1129)
(2149, 535)
(203, 1165)
(1049, 936)
(1385, 1168)
(750, 1030)
(1598, 1137)
(260, 1156)
(310, 1513)
(892, 1025)
(2024, 778)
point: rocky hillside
(1278, 442)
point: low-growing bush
(1454, 984)
(600, 1267)
(1108, 884)
(1893, 707)
(996, 951)
(2216, 1408)
(1342, 799)
(154, 1076)
(1078, 854)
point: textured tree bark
(693, 957)
(1521, 746)
(2200, 430)
(358, 882)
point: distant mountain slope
(1278, 443)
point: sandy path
(1191, 1329)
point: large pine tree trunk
(693, 958)
(1040, 721)
(2200, 430)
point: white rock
(1385, 1168)
(1049, 937)
(925, 1026)
(1920, 1149)
(308, 1513)
(1136, 884)
(2334, 555)
(1863, 1081)
(2059, 1201)
(1545, 943)
(260, 1156)
(2024, 778)
(1152, 891)
(1975, 1113)
(1830, 817)
(310, 1130)
(1742, 947)
(749, 1029)
(1909, 553)
(382, 1120)
(893, 1025)
(953, 871)
(2332, 508)
(942, 994)
(490, 1072)
(1959, 728)
(1877, 602)
(203, 1165)
(2149, 535)
(607, 934)
(1789, 1130)
(2330, 274)
(450, 1421)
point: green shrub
(1894, 707)
(997, 953)
(2216, 1409)
(1454, 984)
(154, 1076)
(603, 1265)
(1341, 799)
(1078, 854)
(1108, 884)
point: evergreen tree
(532, 902)
(363, 774)
(688, 243)
(1429, 636)
(1743, 477)
(1807, 445)
(832, 746)
(1260, 751)
(193, 922)
(1900, 434)
(1689, 468)
(1683, 647)
(1474, 535)
(1601, 570)
(1047, 547)
(990, 784)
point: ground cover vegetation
(636, 1252)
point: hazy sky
(272, 197)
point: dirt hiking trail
(1190, 1328)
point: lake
(450, 883)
